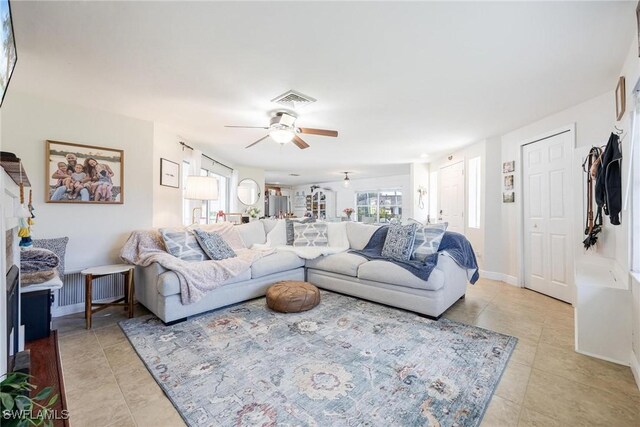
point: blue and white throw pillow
(428, 238)
(182, 243)
(399, 242)
(311, 234)
(290, 233)
(213, 245)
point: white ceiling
(397, 80)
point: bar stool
(96, 272)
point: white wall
(96, 232)
(631, 71)
(419, 175)
(594, 122)
(346, 197)
(492, 206)
(167, 201)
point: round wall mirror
(248, 192)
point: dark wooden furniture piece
(36, 314)
(96, 272)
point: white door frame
(519, 172)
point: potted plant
(17, 409)
(253, 212)
(348, 212)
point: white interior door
(548, 256)
(451, 196)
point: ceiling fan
(282, 129)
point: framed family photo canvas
(508, 167)
(78, 173)
(169, 173)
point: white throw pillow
(278, 235)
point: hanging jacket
(609, 180)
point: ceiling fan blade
(323, 132)
(248, 127)
(299, 142)
(251, 145)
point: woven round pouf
(291, 296)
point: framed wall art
(169, 173)
(9, 55)
(508, 167)
(78, 173)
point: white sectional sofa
(380, 281)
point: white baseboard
(598, 356)
(635, 367)
(492, 275)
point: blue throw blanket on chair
(455, 244)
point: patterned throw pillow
(311, 234)
(58, 246)
(182, 243)
(290, 233)
(399, 242)
(428, 238)
(213, 245)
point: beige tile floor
(545, 384)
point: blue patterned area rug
(347, 362)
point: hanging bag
(593, 224)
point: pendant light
(346, 181)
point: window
(379, 206)
(475, 189)
(635, 189)
(186, 204)
(209, 208)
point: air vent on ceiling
(293, 99)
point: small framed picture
(620, 99)
(508, 197)
(169, 173)
(508, 182)
(78, 173)
(508, 167)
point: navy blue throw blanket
(455, 244)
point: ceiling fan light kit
(282, 130)
(281, 136)
(346, 181)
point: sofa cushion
(428, 238)
(398, 244)
(343, 263)
(314, 234)
(388, 272)
(252, 233)
(359, 234)
(182, 243)
(213, 245)
(275, 263)
(169, 284)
